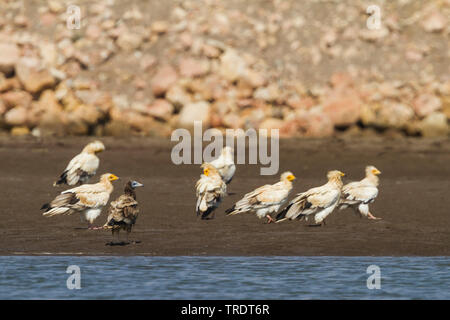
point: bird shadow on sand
(122, 243)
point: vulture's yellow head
(109, 177)
(209, 169)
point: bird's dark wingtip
(282, 213)
(230, 210)
(62, 179)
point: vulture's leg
(92, 227)
(269, 219)
(372, 217)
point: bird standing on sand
(266, 199)
(225, 164)
(319, 202)
(83, 166)
(123, 211)
(358, 195)
(210, 189)
(88, 200)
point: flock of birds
(90, 199)
(317, 203)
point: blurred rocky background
(310, 68)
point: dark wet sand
(414, 201)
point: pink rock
(233, 120)
(160, 27)
(232, 65)
(21, 21)
(342, 106)
(255, 79)
(435, 22)
(270, 124)
(33, 78)
(93, 31)
(186, 40)
(87, 114)
(290, 129)
(161, 109)
(414, 55)
(2, 107)
(178, 96)
(147, 61)
(9, 56)
(296, 102)
(341, 79)
(210, 51)
(197, 111)
(49, 102)
(374, 34)
(434, 125)
(193, 68)
(216, 120)
(129, 40)
(16, 116)
(315, 124)
(17, 98)
(163, 80)
(426, 104)
(48, 19)
(388, 114)
(269, 93)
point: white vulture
(83, 166)
(88, 200)
(225, 164)
(210, 189)
(266, 199)
(123, 211)
(318, 202)
(358, 195)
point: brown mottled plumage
(124, 211)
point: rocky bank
(309, 68)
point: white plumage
(210, 189)
(225, 164)
(359, 194)
(318, 202)
(88, 200)
(83, 166)
(266, 199)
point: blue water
(43, 277)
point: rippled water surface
(42, 277)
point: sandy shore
(413, 201)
